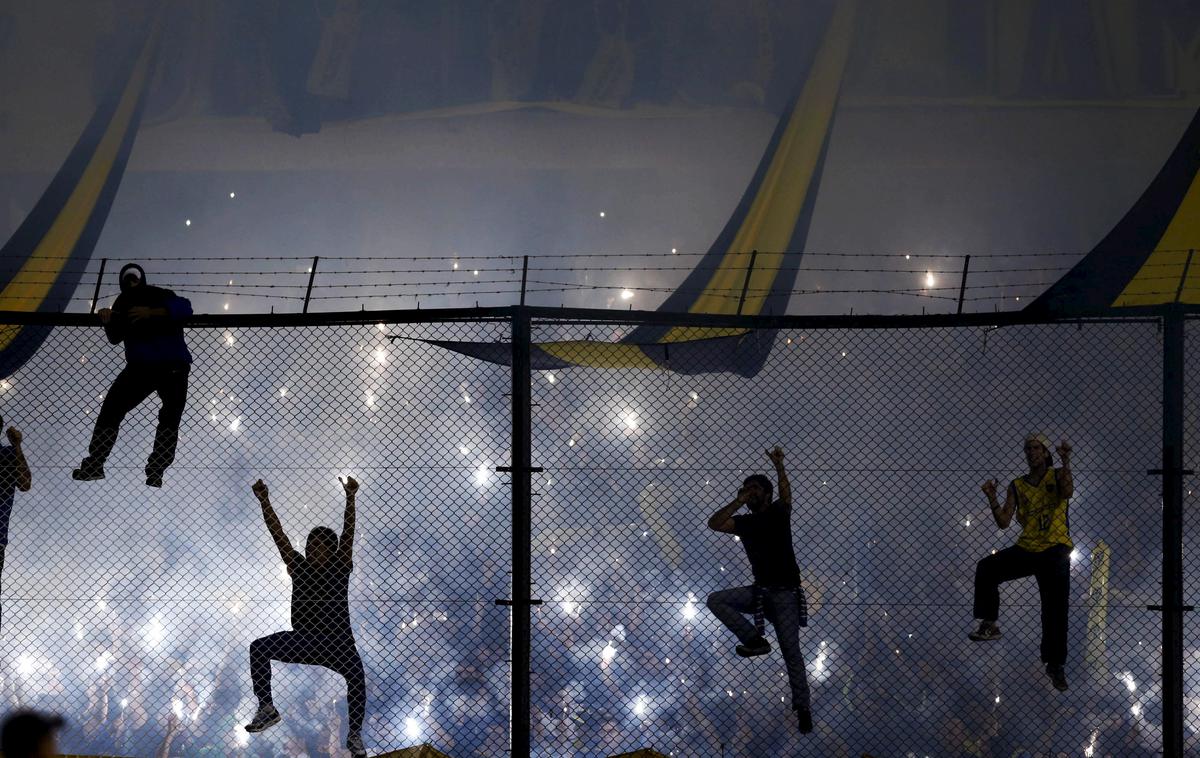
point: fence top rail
(553, 316)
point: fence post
(99, 278)
(962, 284)
(521, 469)
(1172, 549)
(312, 274)
(524, 275)
(746, 282)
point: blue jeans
(785, 609)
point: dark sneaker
(266, 717)
(1058, 676)
(355, 745)
(88, 471)
(804, 720)
(154, 478)
(758, 647)
(986, 632)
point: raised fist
(349, 485)
(260, 490)
(989, 488)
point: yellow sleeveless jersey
(1042, 514)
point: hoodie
(152, 340)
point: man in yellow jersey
(1039, 500)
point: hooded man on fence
(149, 320)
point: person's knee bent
(713, 600)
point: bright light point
(568, 608)
(608, 653)
(674, 251)
(482, 475)
(155, 632)
(124, 702)
(1136, 710)
(283, 391)
(601, 214)
(907, 256)
(102, 661)
(381, 356)
(226, 306)
(308, 270)
(229, 338)
(630, 419)
(929, 280)
(5, 384)
(26, 665)
(571, 442)
(966, 522)
(550, 377)
(188, 222)
(1129, 683)
(997, 700)
(371, 399)
(232, 195)
(639, 705)
(177, 708)
(689, 608)
(626, 294)
(475, 272)
(463, 449)
(466, 399)
(380, 327)
(695, 396)
(241, 736)
(455, 266)
(412, 729)
(1074, 555)
(236, 424)
(235, 607)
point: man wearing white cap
(1039, 500)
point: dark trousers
(134, 384)
(1052, 567)
(334, 652)
(783, 608)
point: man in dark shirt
(150, 322)
(14, 475)
(776, 595)
(321, 634)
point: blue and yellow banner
(1148, 259)
(42, 263)
(773, 217)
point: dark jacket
(151, 340)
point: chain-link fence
(131, 609)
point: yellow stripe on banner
(1157, 281)
(771, 219)
(599, 354)
(30, 286)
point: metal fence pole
(312, 274)
(521, 542)
(99, 279)
(1172, 548)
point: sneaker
(265, 718)
(759, 646)
(355, 745)
(88, 471)
(804, 720)
(154, 478)
(986, 632)
(1057, 676)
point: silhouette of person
(776, 595)
(14, 475)
(1040, 500)
(149, 320)
(321, 634)
(30, 734)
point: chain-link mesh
(131, 609)
(887, 435)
